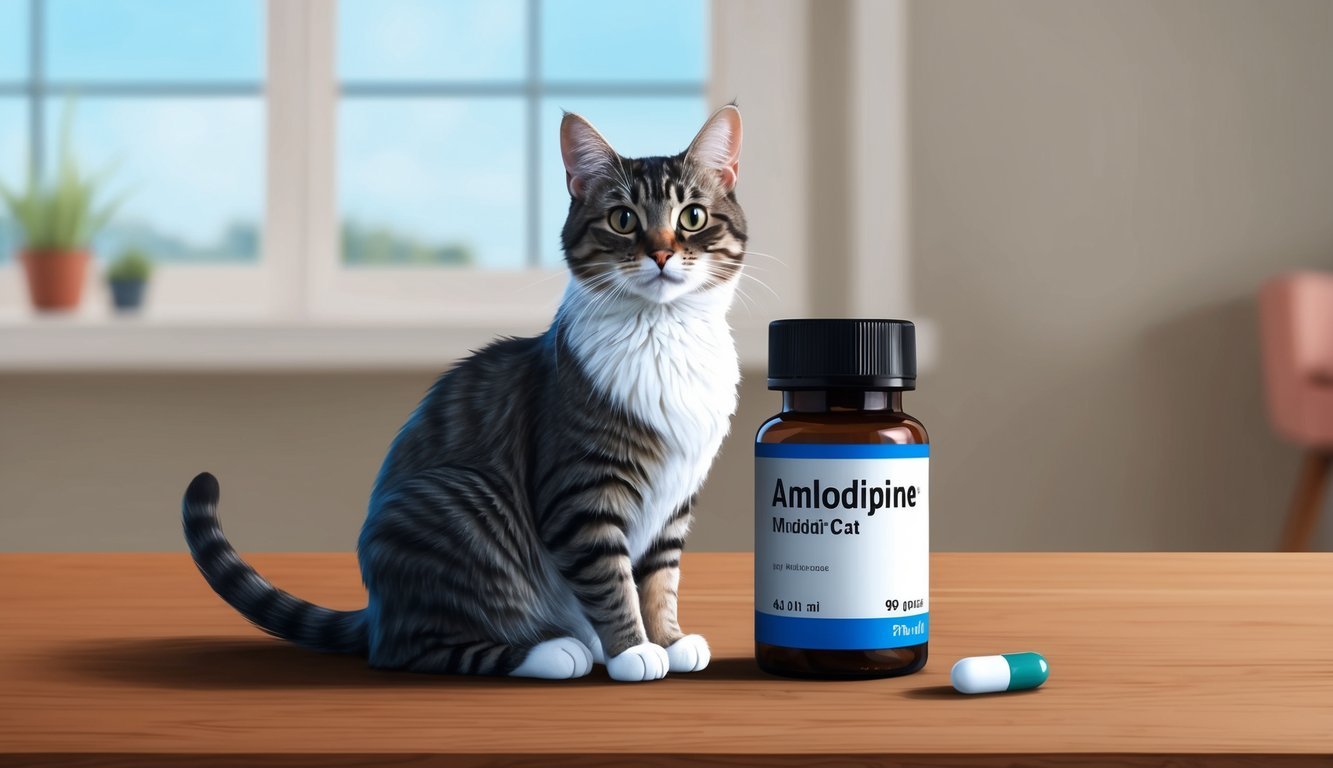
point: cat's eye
(693, 218)
(622, 220)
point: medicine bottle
(842, 522)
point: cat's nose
(661, 258)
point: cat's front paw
(644, 661)
(689, 654)
(563, 658)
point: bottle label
(842, 546)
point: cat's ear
(718, 144)
(586, 154)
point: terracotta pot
(55, 278)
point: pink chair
(1296, 324)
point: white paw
(644, 661)
(558, 659)
(689, 654)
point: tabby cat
(529, 517)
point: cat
(529, 517)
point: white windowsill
(88, 344)
(144, 344)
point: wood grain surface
(1156, 659)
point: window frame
(405, 292)
(532, 89)
(237, 290)
(299, 278)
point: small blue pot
(127, 294)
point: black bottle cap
(832, 354)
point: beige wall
(100, 461)
(1097, 189)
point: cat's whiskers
(564, 312)
(590, 314)
(575, 313)
(602, 279)
(749, 265)
(588, 398)
(713, 270)
(589, 309)
(742, 295)
(719, 280)
(563, 273)
(767, 287)
(545, 279)
(765, 255)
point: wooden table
(1180, 659)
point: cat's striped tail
(267, 607)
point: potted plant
(128, 276)
(58, 221)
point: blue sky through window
(155, 40)
(434, 177)
(13, 111)
(432, 39)
(463, 186)
(191, 169)
(13, 40)
(13, 163)
(624, 40)
(433, 181)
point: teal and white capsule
(992, 674)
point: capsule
(992, 674)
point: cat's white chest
(676, 370)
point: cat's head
(654, 227)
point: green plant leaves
(132, 264)
(64, 215)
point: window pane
(431, 39)
(102, 40)
(432, 181)
(625, 40)
(191, 170)
(13, 40)
(637, 127)
(13, 166)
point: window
(436, 156)
(360, 158)
(13, 107)
(450, 109)
(13, 161)
(177, 86)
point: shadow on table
(947, 693)
(231, 664)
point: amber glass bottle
(842, 550)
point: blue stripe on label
(827, 451)
(841, 634)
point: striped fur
(272, 610)
(530, 515)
